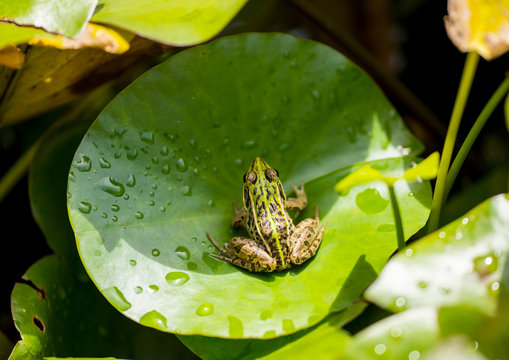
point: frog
(274, 242)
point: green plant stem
(397, 218)
(452, 131)
(473, 134)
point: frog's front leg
(246, 253)
(239, 216)
(299, 202)
(306, 239)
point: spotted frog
(275, 243)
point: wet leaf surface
(164, 161)
(471, 252)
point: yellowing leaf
(12, 57)
(364, 175)
(94, 36)
(425, 170)
(479, 25)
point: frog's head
(261, 180)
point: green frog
(275, 243)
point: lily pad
(402, 336)
(470, 250)
(164, 161)
(323, 340)
(58, 315)
(47, 188)
(59, 16)
(174, 22)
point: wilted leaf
(95, 36)
(12, 57)
(52, 77)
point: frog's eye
(271, 174)
(250, 176)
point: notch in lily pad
(425, 170)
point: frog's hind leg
(245, 253)
(216, 245)
(306, 239)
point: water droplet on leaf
(132, 154)
(131, 180)
(182, 252)
(103, 163)
(117, 298)
(154, 319)
(109, 185)
(205, 309)
(186, 190)
(147, 137)
(85, 207)
(177, 278)
(182, 165)
(83, 164)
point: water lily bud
(479, 25)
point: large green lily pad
(164, 161)
(174, 22)
(324, 341)
(471, 252)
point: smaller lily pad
(402, 336)
(59, 315)
(47, 188)
(469, 251)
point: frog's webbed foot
(239, 216)
(245, 253)
(299, 202)
(306, 239)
